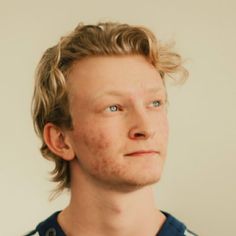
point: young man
(99, 107)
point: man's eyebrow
(155, 90)
(122, 93)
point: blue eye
(156, 103)
(113, 108)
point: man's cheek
(166, 131)
(164, 128)
(95, 141)
(163, 134)
(104, 165)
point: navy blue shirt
(171, 227)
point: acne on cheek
(98, 144)
(95, 142)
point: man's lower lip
(142, 154)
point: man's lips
(142, 153)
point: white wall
(198, 184)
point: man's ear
(58, 142)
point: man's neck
(96, 211)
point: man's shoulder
(48, 227)
(173, 226)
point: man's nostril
(139, 135)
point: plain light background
(198, 183)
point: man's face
(119, 117)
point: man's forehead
(113, 75)
(104, 64)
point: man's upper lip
(141, 152)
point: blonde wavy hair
(50, 98)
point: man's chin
(130, 185)
(143, 182)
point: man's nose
(141, 126)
